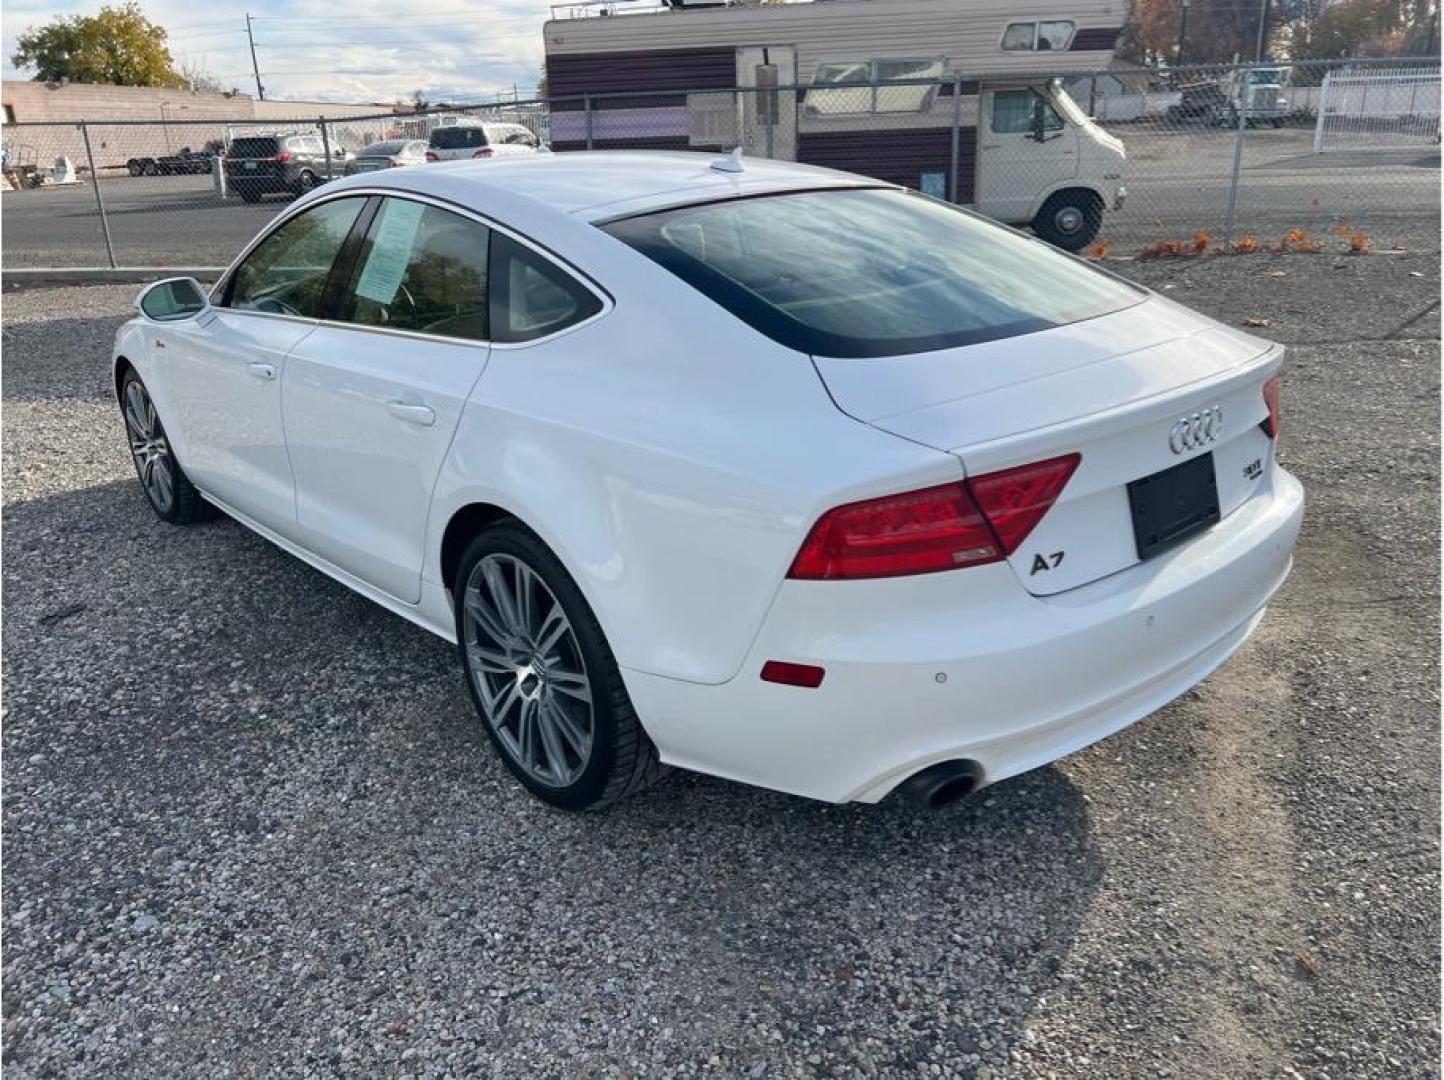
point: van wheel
(133, 167)
(1069, 219)
(542, 676)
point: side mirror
(1039, 132)
(172, 300)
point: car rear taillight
(485, 151)
(431, 157)
(938, 528)
(1015, 500)
(282, 157)
(1271, 399)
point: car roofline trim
(873, 185)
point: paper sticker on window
(390, 251)
(934, 184)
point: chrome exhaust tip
(942, 784)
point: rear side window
(422, 269)
(871, 272)
(532, 297)
(458, 138)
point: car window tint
(871, 272)
(423, 269)
(457, 138)
(252, 148)
(532, 296)
(286, 273)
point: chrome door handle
(262, 371)
(412, 413)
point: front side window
(286, 273)
(1016, 112)
(532, 297)
(871, 272)
(423, 269)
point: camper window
(1051, 36)
(855, 92)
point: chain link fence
(1122, 160)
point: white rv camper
(874, 93)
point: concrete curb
(101, 275)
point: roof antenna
(731, 163)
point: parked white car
(474, 139)
(779, 474)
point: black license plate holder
(1170, 506)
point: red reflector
(918, 532)
(431, 157)
(1015, 500)
(283, 157)
(779, 671)
(485, 151)
(1271, 399)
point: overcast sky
(339, 50)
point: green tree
(117, 45)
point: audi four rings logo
(1191, 432)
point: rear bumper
(969, 665)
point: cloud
(329, 50)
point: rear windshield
(457, 138)
(381, 149)
(246, 148)
(871, 272)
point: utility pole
(260, 90)
(1182, 34)
(1263, 27)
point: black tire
(1069, 219)
(184, 506)
(622, 759)
(133, 167)
(305, 182)
(150, 168)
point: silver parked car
(387, 155)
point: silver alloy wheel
(1068, 220)
(528, 671)
(149, 447)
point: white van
(867, 86)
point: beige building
(172, 119)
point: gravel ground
(251, 825)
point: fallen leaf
(1278, 273)
(1254, 320)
